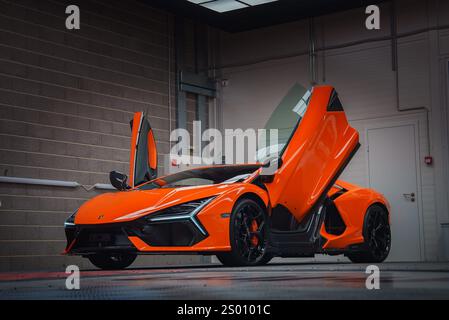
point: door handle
(409, 196)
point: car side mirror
(118, 180)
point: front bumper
(120, 237)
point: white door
(392, 171)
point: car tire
(248, 231)
(112, 261)
(377, 235)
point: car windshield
(202, 176)
(285, 119)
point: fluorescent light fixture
(197, 1)
(228, 5)
(224, 5)
(257, 2)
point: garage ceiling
(252, 14)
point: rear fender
(352, 207)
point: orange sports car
(240, 213)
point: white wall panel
(364, 80)
(411, 15)
(253, 93)
(349, 26)
(413, 67)
(262, 43)
(444, 42)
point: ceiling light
(197, 1)
(228, 5)
(224, 5)
(257, 2)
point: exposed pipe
(104, 186)
(312, 53)
(394, 40)
(55, 183)
(338, 46)
(179, 38)
(41, 182)
(169, 80)
(323, 54)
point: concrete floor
(274, 281)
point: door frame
(392, 123)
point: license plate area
(100, 237)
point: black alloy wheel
(248, 236)
(377, 234)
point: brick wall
(66, 98)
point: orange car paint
(152, 152)
(318, 148)
(352, 206)
(130, 205)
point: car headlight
(70, 221)
(184, 211)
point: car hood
(129, 205)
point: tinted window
(285, 118)
(202, 176)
